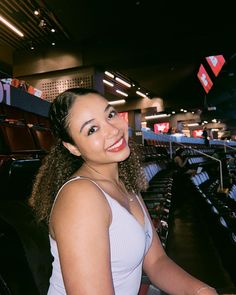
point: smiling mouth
(119, 145)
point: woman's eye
(112, 114)
(92, 130)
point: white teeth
(117, 144)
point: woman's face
(100, 135)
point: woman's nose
(110, 129)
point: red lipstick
(118, 146)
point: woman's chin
(125, 154)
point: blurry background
(159, 45)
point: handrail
(208, 156)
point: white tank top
(129, 242)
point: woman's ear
(73, 149)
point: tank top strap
(70, 180)
(141, 204)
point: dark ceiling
(159, 44)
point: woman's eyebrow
(89, 121)
(85, 123)
(107, 107)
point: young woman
(88, 191)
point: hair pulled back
(59, 111)
(59, 164)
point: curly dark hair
(59, 165)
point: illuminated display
(197, 133)
(216, 62)
(161, 127)
(204, 79)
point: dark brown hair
(58, 166)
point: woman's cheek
(95, 142)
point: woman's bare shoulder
(79, 196)
(79, 185)
(81, 190)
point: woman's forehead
(90, 100)
(87, 107)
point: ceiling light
(156, 116)
(109, 74)
(141, 94)
(53, 30)
(192, 124)
(122, 93)
(108, 83)
(123, 82)
(10, 26)
(173, 112)
(53, 43)
(115, 102)
(31, 45)
(36, 12)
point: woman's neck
(105, 172)
(110, 175)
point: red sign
(197, 133)
(204, 79)
(161, 127)
(216, 62)
(124, 115)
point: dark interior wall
(6, 60)
(37, 67)
(50, 66)
(45, 60)
(63, 57)
(145, 104)
(54, 82)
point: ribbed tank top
(129, 242)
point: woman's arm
(167, 275)
(80, 224)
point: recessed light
(36, 12)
